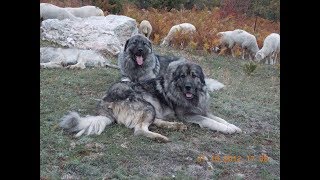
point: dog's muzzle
(139, 56)
(188, 93)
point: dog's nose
(188, 87)
(140, 49)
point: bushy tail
(72, 122)
(213, 85)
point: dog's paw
(181, 127)
(227, 130)
(162, 139)
(237, 130)
(230, 129)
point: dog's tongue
(139, 60)
(189, 95)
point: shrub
(249, 67)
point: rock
(106, 34)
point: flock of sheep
(228, 39)
(249, 46)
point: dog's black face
(189, 80)
(119, 91)
(138, 47)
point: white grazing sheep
(145, 28)
(50, 11)
(245, 40)
(85, 11)
(271, 48)
(184, 28)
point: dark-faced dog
(138, 62)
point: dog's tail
(73, 123)
(213, 85)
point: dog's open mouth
(189, 95)
(139, 60)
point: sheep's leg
(275, 59)
(243, 52)
(274, 56)
(266, 60)
(232, 51)
(251, 56)
(271, 59)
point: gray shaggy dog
(138, 62)
(181, 93)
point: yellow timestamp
(263, 158)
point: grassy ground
(250, 102)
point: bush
(249, 68)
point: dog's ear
(126, 45)
(202, 78)
(200, 73)
(176, 73)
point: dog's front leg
(205, 122)
(211, 116)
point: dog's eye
(144, 43)
(194, 75)
(182, 76)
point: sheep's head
(259, 56)
(216, 49)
